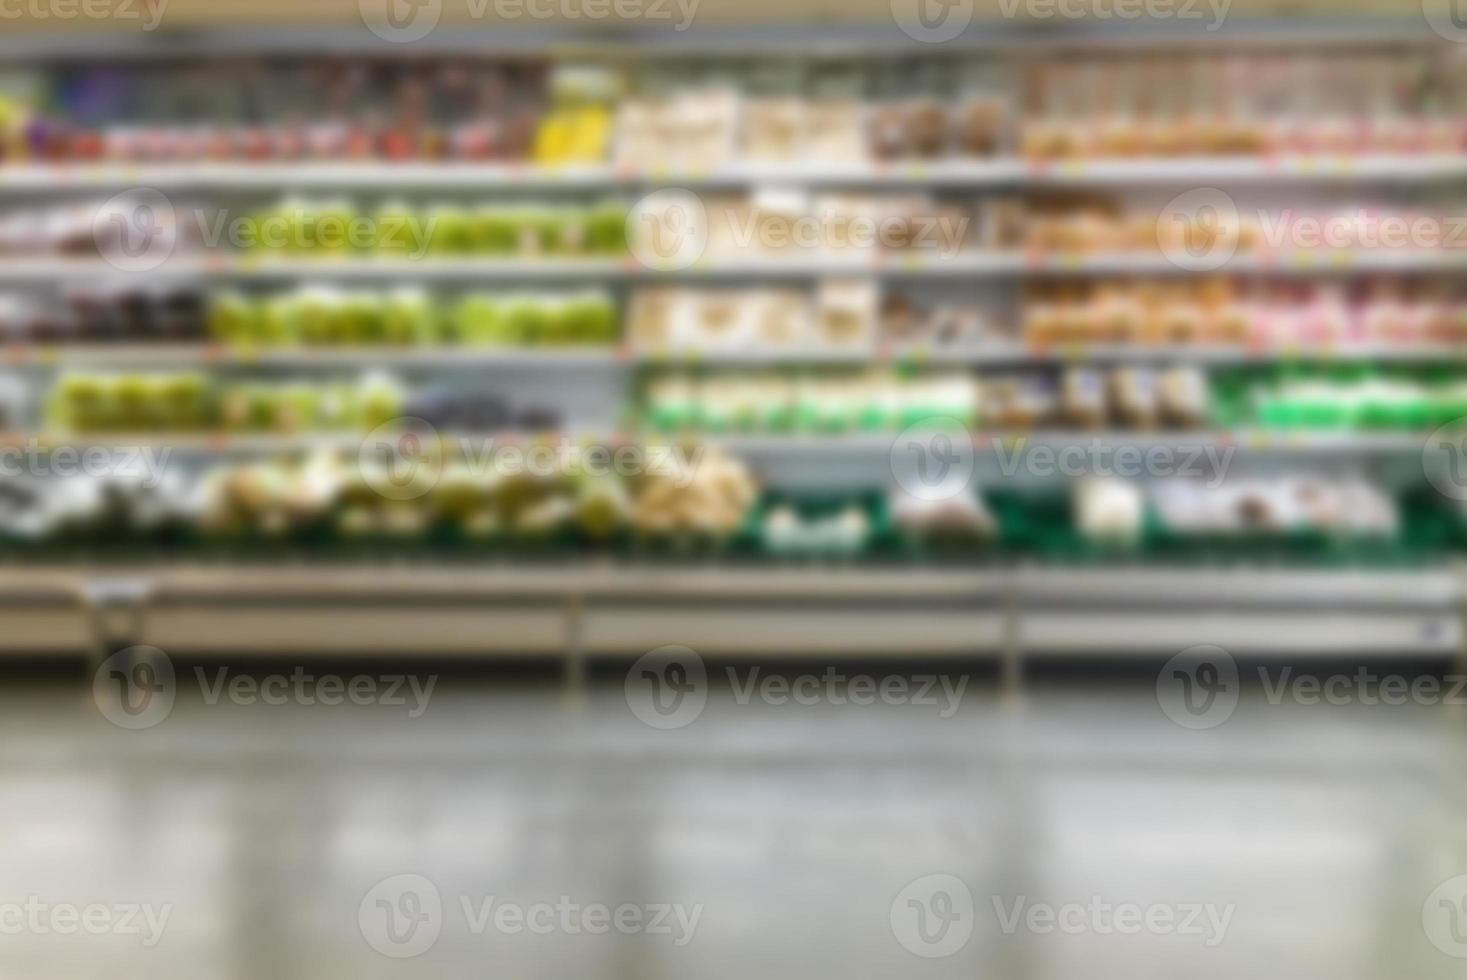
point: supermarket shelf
(1112, 634)
(1249, 441)
(1255, 441)
(1140, 587)
(605, 608)
(841, 36)
(1284, 169)
(898, 266)
(1024, 353)
(997, 172)
(45, 356)
(118, 355)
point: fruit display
(194, 402)
(316, 315)
(480, 498)
(709, 501)
(877, 400)
(1256, 314)
(325, 227)
(828, 402)
(1345, 398)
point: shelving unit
(1002, 172)
(595, 607)
(600, 609)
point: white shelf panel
(1337, 633)
(996, 172)
(899, 266)
(619, 356)
(858, 444)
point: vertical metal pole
(1013, 651)
(575, 649)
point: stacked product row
(721, 110)
(692, 497)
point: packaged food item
(980, 126)
(962, 518)
(846, 312)
(1109, 510)
(1083, 398)
(1135, 397)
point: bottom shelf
(610, 609)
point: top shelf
(998, 172)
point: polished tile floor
(502, 831)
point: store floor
(762, 840)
